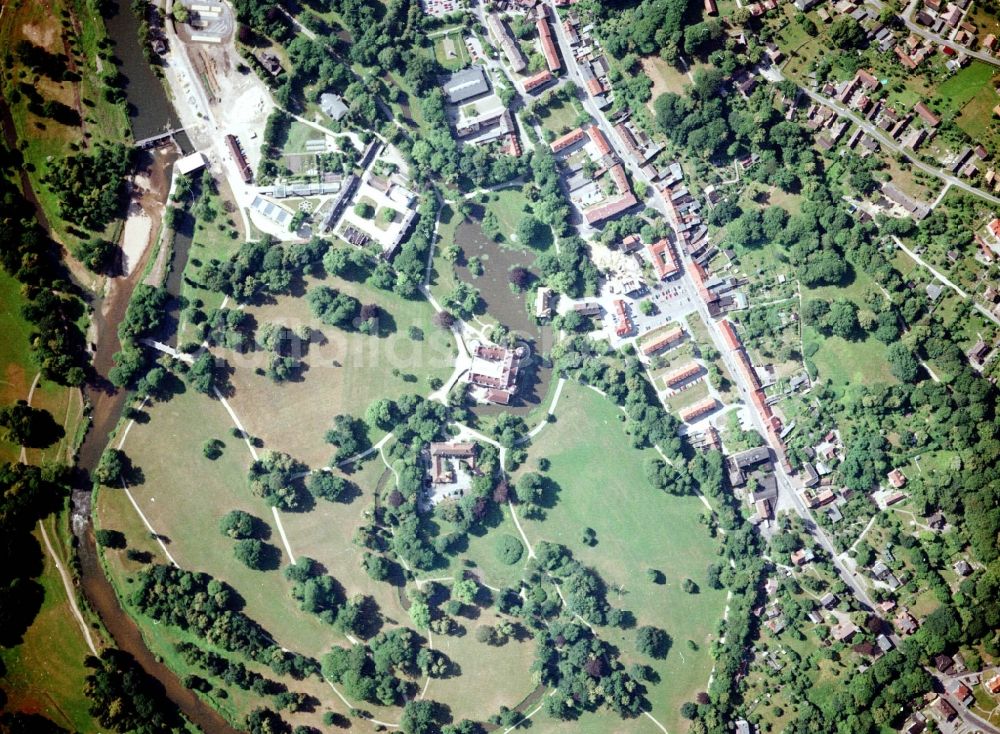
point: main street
(788, 487)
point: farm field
(637, 528)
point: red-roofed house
(730, 335)
(662, 255)
(600, 142)
(897, 479)
(653, 346)
(711, 8)
(698, 409)
(993, 684)
(548, 45)
(535, 81)
(573, 136)
(682, 374)
(868, 79)
(926, 115)
(623, 320)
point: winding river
(150, 111)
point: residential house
(926, 115)
(897, 479)
(945, 709)
(844, 631)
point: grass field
(955, 92)
(637, 528)
(457, 45)
(976, 117)
(346, 370)
(510, 206)
(845, 362)
(19, 370)
(45, 673)
(559, 117)
(187, 514)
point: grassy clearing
(19, 370)
(977, 119)
(168, 449)
(443, 276)
(45, 673)
(688, 396)
(559, 117)
(637, 528)
(456, 46)
(509, 206)
(955, 92)
(491, 676)
(846, 363)
(187, 513)
(346, 371)
(666, 78)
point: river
(150, 111)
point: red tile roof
(655, 345)
(537, 80)
(548, 46)
(663, 258)
(600, 142)
(681, 374)
(730, 335)
(567, 140)
(926, 115)
(698, 409)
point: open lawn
(168, 451)
(665, 77)
(450, 50)
(346, 371)
(509, 206)
(45, 673)
(212, 238)
(860, 362)
(19, 370)
(977, 119)
(846, 363)
(637, 528)
(559, 117)
(187, 514)
(956, 91)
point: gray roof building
(466, 84)
(332, 105)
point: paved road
(925, 32)
(774, 75)
(944, 279)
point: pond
(506, 306)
